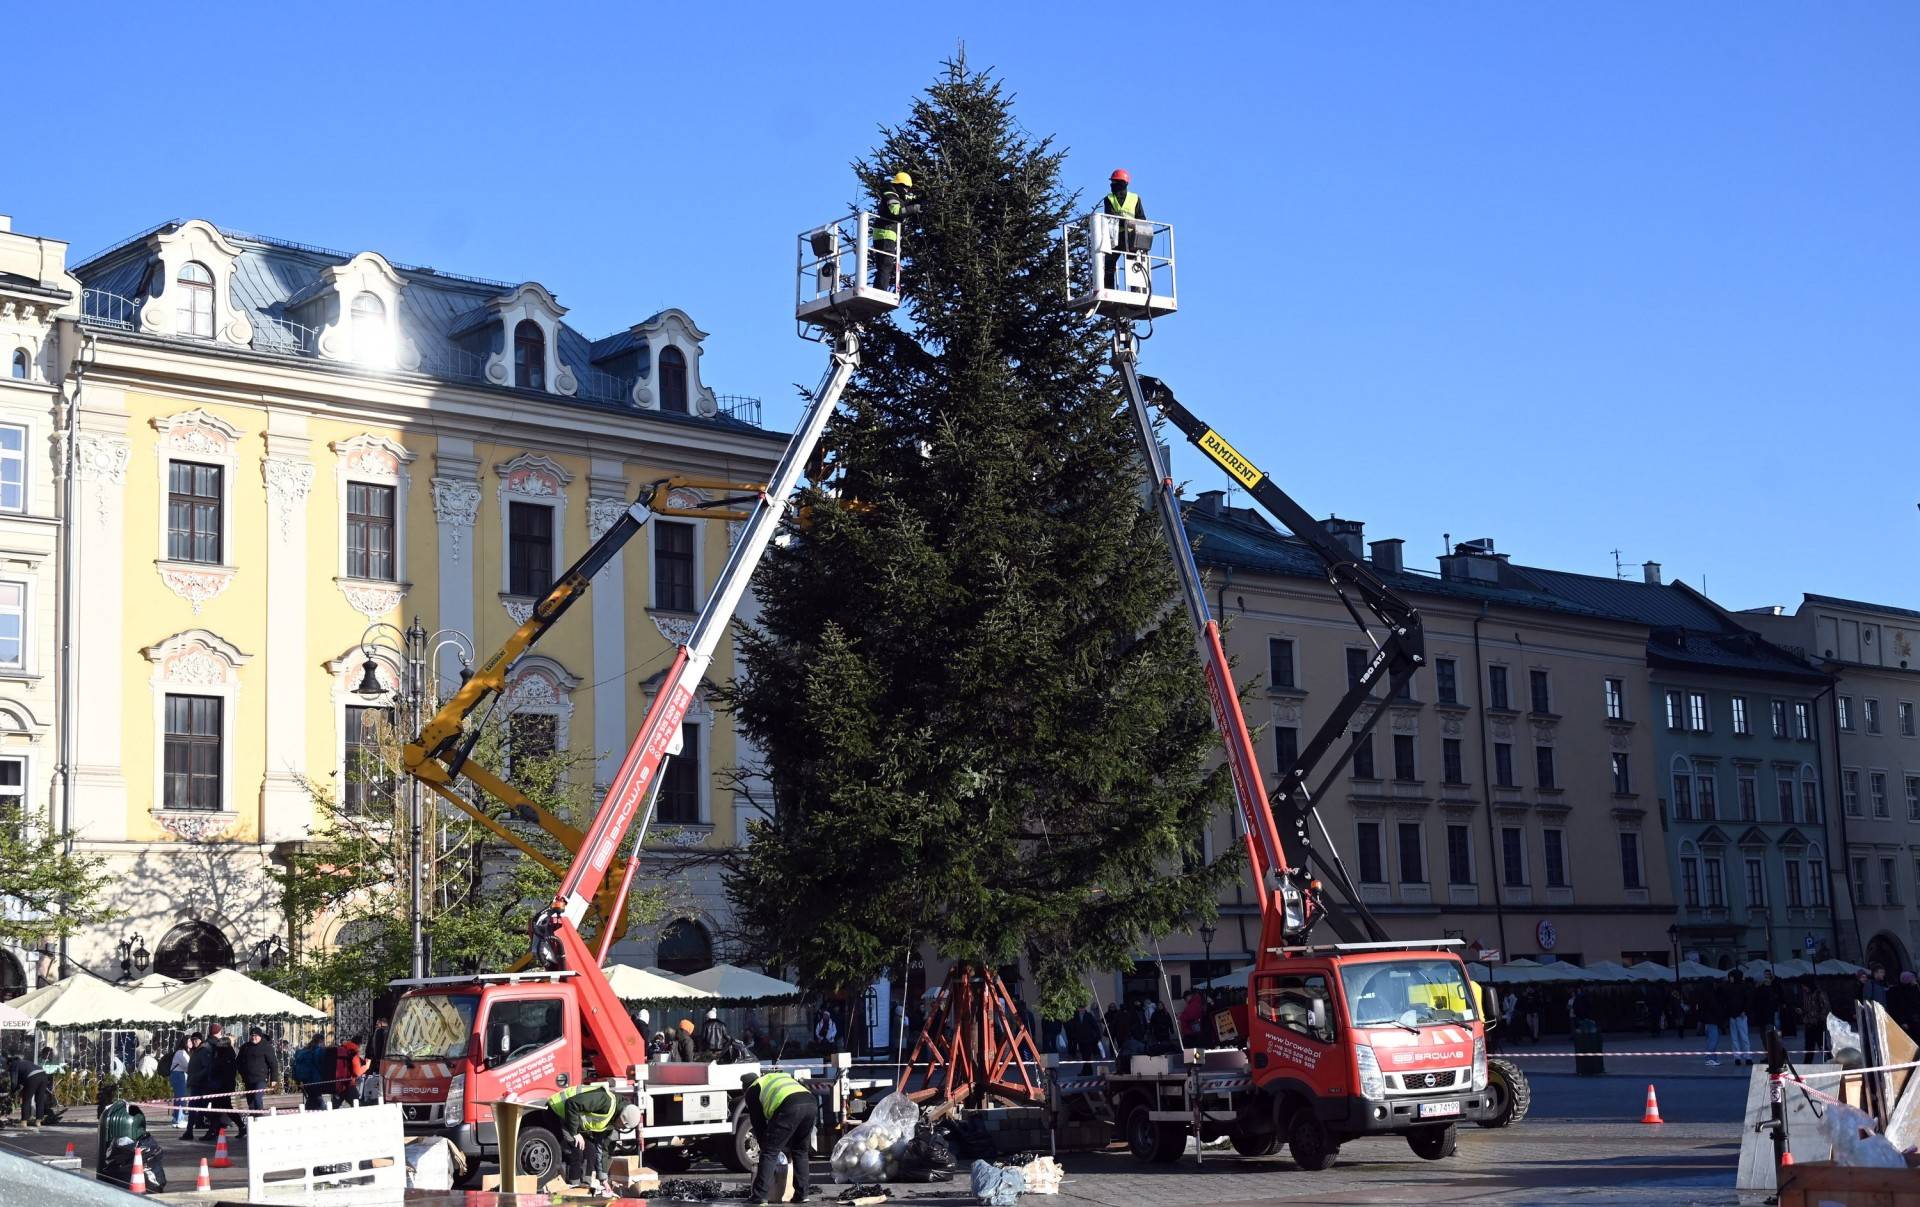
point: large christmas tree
(983, 718)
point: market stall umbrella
(1647, 970)
(13, 1020)
(226, 994)
(632, 984)
(736, 984)
(1787, 969)
(153, 986)
(1836, 968)
(1694, 970)
(1606, 970)
(84, 1002)
(1754, 970)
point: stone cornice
(341, 391)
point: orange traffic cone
(205, 1181)
(1652, 1114)
(69, 1148)
(137, 1180)
(222, 1161)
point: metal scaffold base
(975, 1046)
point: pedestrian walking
(1813, 1019)
(714, 1038)
(259, 1068)
(177, 1081)
(782, 1113)
(1740, 1000)
(1714, 1003)
(348, 1068)
(313, 1069)
(199, 1081)
(225, 1076)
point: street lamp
(1673, 937)
(133, 955)
(1206, 942)
(409, 651)
(268, 952)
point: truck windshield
(1407, 993)
(433, 1026)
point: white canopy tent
(1694, 970)
(1837, 968)
(153, 986)
(734, 984)
(14, 1020)
(1607, 971)
(1648, 971)
(227, 994)
(632, 984)
(84, 1002)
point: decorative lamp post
(1207, 932)
(408, 652)
(141, 956)
(125, 947)
(1673, 937)
(268, 953)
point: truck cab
(460, 1043)
(1351, 1040)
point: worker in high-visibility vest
(1122, 203)
(896, 203)
(590, 1117)
(782, 1113)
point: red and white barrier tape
(1729, 1053)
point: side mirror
(502, 1042)
(1317, 1015)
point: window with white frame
(1905, 711)
(1889, 884)
(1740, 716)
(1850, 792)
(679, 802)
(1452, 761)
(1543, 768)
(1697, 711)
(1690, 880)
(1405, 767)
(1503, 764)
(1913, 798)
(1513, 856)
(1459, 855)
(1539, 691)
(19, 364)
(1778, 709)
(369, 324)
(1877, 789)
(196, 505)
(13, 624)
(366, 780)
(1497, 688)
(1706, 792)
(1749, 788)
(1622, 774)
(195, 732)
(1676, 717)
(196, 692)
(1870, 715)
(1795, 893)
(371, 514)
(1783, 795)
(13, 794)
(674, 586)
(529, 547)
(194, 313)
(1616, 699)
(1845, 706)
(1810, 810)
(1860, 885)
(1280, 664)
(1756, 882)
(1682, 791)
(13, 468)
(1372, 859)
(1716, 869)
(1803, 720)
(1413, 853)
(1446, 680)
(1816, 881)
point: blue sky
(1629, 276)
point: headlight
(1373, 1086)
(456, 1097)
(1480, 1062)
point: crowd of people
(1736, 1012)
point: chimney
(1473, 561)
(1210, 502)
(1386, 554)
(1350, 534)
(1651, 572)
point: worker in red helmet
(1121, 202)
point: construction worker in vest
(590, 1117)
(782, 1113)
(1121, 202)
(896, 203)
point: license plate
(1434, 1110)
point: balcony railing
(284, 336)
(105, 309)
(740, 407)
(595, 386)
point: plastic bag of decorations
(1043, 1175)
(871, 1152)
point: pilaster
(285, 809)
(456, 507)
(98, 532)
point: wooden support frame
(974, 1045)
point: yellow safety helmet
(903, 179)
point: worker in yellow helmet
(896, 203)
(782, 1113)
(1121, 202)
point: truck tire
(1308, 1141)
(1151, 1141)
(742, 1155)
(1507, 1085)
(540, 1155)
(1434, 1143)
(1247, 1144)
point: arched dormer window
(194, 314)
(19, 364)
(673, 380)
(529, 356)
(369, 316)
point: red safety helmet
(1122, 175)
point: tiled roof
(1656, 604)
(1836, 601)
(1242, 539)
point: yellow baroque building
(274, 447)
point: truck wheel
(1151, 1141)
(1309, 1142)
(540, 1156)
(1434, 1143)
(743, 1154)
(666, 1159)
(1247, 1145)
(1507, 1086)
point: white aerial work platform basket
(844, 276)
(1119, 267)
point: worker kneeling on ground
(590, 1116)
(782, 1113)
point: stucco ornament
(288, 483)
(602, 514)
(456, 502)
(195, 584)
(677, 629)
(101, 459)
(373, 600)
(196, 826)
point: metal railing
(284, 336)
(740, 407)
(595, 386)
(453, 363)
(109, 309)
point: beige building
(36, 292)
(279, 448)
(1506, 802)
(1869, 729)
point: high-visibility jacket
(579, 1111)
(775, 1088)
(887, 229)
(1125, 207)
